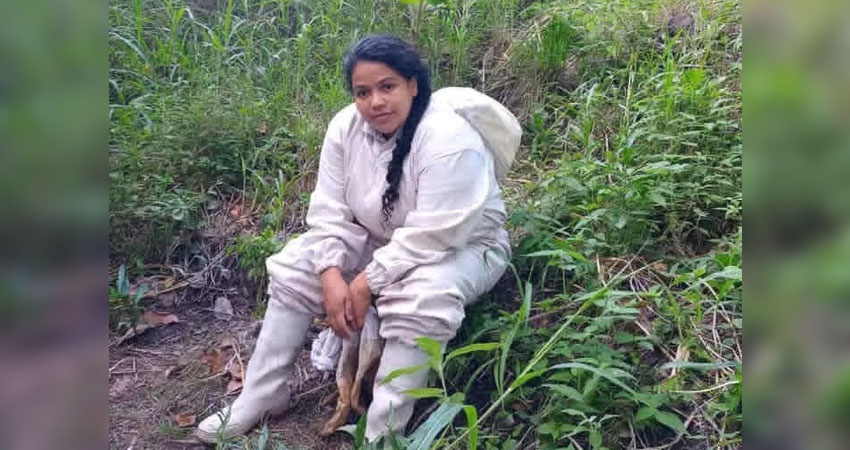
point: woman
(408, 208)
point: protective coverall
(445, 245)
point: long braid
(400, 152)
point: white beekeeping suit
(448, 216)
(444, 246)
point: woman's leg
(266, 389)
(428, 302)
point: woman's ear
(413, 85)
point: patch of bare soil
(165, 380)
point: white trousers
(427, 301)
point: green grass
(626, 200)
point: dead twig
(713, 388)
(313, 391)
(173, 287)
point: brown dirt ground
(161, 373)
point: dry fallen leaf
(215, 359)
(185, 419)
(155, 318)
(227, 342)
(236, 372)
(150, 319)
(234, 386)
(519, 406)
(120, 385)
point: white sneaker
(265, 389)
(234, 421)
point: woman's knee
(295, 290)
(407, 324)
(421, 305)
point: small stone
(168, 299)
(223, 309)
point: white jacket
(449, 198)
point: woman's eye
(360, 94)
(387, 87)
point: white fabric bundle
(498, 127)
(325, 351)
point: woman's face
(382, 95)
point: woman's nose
(378, 101)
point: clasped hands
(345, 304)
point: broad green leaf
(567, 391)
(645, 413)
(595, 439)
(574, 412)
(434, 351)
(602, 373)
(424, 436)
(471, 421)
(591, 385)
(397, 442)
(483, 347)
(731, 272)
(648, 399)
(520, 322)
(360, 431)
(425, 392)
(559, 253)
(658, 199)
(457, 397)
(526, 378)
(403, 371)
(671, 420)
(549, 428)
(357, 431)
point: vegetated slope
(625, 201)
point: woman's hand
(337, 296)
(361, 298)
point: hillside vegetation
(619, 324)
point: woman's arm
(340, 239)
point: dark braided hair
(404, 59)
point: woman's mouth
(381, 117)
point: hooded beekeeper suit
(445, 245)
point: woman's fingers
(350, 315)
(360, 313)
(360, 298)
(339, 325)
(337, 299)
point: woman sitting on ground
(405, 207)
